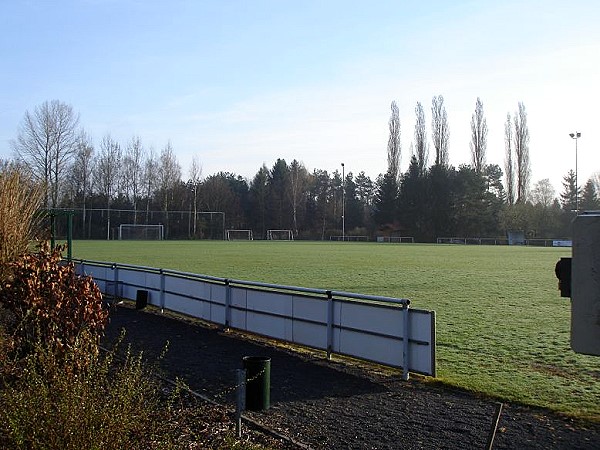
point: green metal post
(52, 230)
(69, 235)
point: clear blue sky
(241, 83)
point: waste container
(141, 299)
(258, 382)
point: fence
(96, 223)
(505, 241)
(379, 329)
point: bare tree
(394, 148)
(543, 193)
(150, 178)
(195, 175)
(133, 172)
(440, 131)
(46, 143)
(108, 172)
(82, 172)
(169, 175)
(479, 131)
(509, 166)
(421, 147)
(521, 147)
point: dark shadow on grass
(206, 359)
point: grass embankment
(502, 328)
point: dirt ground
(340, 404)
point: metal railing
(380, 329)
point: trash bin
(141, 299)
(258, 382)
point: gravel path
(332, 405)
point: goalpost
(397, 239)
(239, 235)
(280, 235)
(451, 240)
(141, 232)
(402, 239)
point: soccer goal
(349, 238)
(397, 239)
(129, 231)
(402, 239)
(239, 235)
(451, 240)
(280, 235)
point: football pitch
(502, 328)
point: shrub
(20, 200)
(108, 405)
(47, 304)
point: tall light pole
(576, 136)
(343, 204)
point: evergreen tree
(589, 197)
(321, 196)
(439, 207)
(568, 197)
(278, 206)
(384, 212)
(258, 200)
(365, 193)
(493, 176)
(477, 208)
(353, 207)
(412, 201)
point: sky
(238, 84)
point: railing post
(405, 343)
(227, 304)
(329, 324)
(115, 281)
(162, 290)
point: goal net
(280, 235)
(239, 235)
(128, 231)
(353, 238)
(397, 239)
(451, 240)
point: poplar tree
(421, 148)
(394, 149)
(479, 131)
(521, 148)
(440, 132)
(509, 167)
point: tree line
(115, 183)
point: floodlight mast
(576, 136)
(343, 204)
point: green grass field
(502, 328)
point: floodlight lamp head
(578, 134)
(572, 135)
